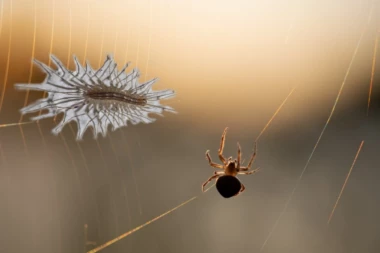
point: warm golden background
(232, 63)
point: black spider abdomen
(228, 186)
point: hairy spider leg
(212, 164)
(252, 159)
(220, 152)
(241, 189)
(238, 156)
(249, 172)
(209, 180)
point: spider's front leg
(212, 164)
(209, 180)
(250, 161)
(238, 156)
(220, 152)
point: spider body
(228, 171)
(231, 168)
(228, 186)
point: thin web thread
(319, 138)
(175, 208)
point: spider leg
(220, 152)
(239, 156)
(209, 180)
(212, 164)
(249, 172)
(241, 190)
(250, 161)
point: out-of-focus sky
(231, 64)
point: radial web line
(274, 115)
(345, 182)
(132, 171)
(30, 75)
(9, 54)
(372, 71)
(319, 138)
(150, 38)
(51, 44)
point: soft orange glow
(9, 55)
(230, 65)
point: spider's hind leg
(241, 190)
(209, 180)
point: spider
(226, 182)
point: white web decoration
(96, 98)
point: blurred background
(231, 64)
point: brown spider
(231, 168)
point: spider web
(107, 157)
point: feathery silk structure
(96, 98)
